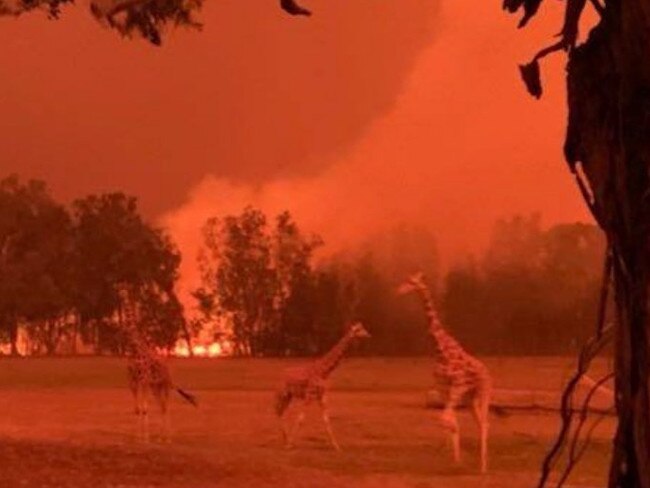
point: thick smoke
(463, 146)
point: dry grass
(68, 422)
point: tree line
(533, 290)
(270, 289)
(60, 267)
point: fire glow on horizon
(212, 350)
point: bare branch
(530, 72)
(575, 456)
(589, 351)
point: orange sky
(256, 95)
(366, 114)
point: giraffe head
(412, 283)
(358, 331)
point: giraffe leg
(300, 418)
(450, 424)
(144, 414)
(480, 409)
(328, 426)
(449, 421)
(162, 397)
(136, 401)
(168, 423)
(167, 436)
(285, 430)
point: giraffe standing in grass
(147, 372)
(457, 374)
(308, 384)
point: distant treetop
(143, 18)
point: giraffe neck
(330, 360)
(444, 343)
(429, 308)
(130, 322)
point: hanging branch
(589, 351)
(530, 72)
(574, 457)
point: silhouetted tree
(238, 277)
(534, 291)
(144, 18)
(35, 233)
(114, 245)
(261, 280)
(335, 303)
(464, 309)
(297, 288)
(607, 139)
(398, 326)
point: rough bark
(609, 133)
(609, 136)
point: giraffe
(147, 373)
(457, 374)
(308, 383)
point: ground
(68, 422)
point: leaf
(530, 75)
(292, 8)
(530, 9)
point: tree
(144, 18)
(238, 278)
(36, 238)
(113, 246)
(608, 82)
(398, 326)
(335, 304)
(534, 291)
(262, 281)
(464, 307)
(297, 287)
(572, 276)
(162, 315)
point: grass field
(69, 422)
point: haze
(365, 115)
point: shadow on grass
(44, 463)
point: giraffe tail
(282, 401)
(188, 397)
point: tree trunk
(13, 336)
(75, 333)
(609, 133)
(188, 338)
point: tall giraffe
(147, 373)
(457, 374)
(308, 383)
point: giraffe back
(455, 368)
